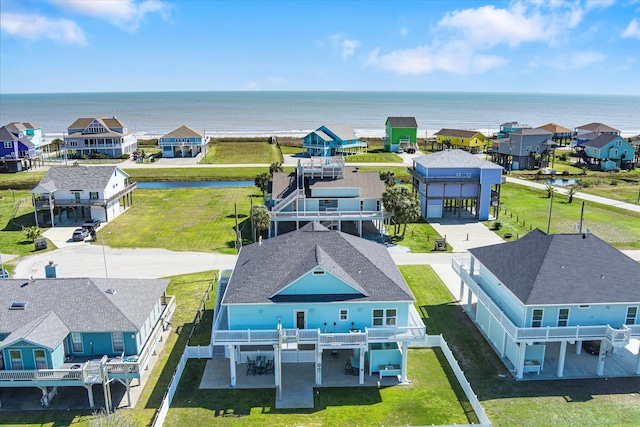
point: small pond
(194, 184)
(561, 182)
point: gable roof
(458, 133)
(343, 132)
(598, 127)
(555, 128)
(544, 269)
(529, 131)
(80, 304)
(262, 270)
(46, 330)
(107, 122)
(370, 184)
(77, 178)
(454, 158)
(182, 132)
(402, 122)
(601, 140)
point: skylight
(18, 305)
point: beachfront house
(324, 189)
(332, 140)
(97, 192)
(468, 140)
(312, 296)
(19, 145)
(456, 181)
(401, 132)
(508, 127)
(79, 332)
(609, 151)
(523, 149)
(542, 299)
(183, 142)
(104, 135)
(591, 131)
(561, 135)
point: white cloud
(582, 59)
(34, 27)
(425, 59)
(404, 31)
(347, 47)
(632, 30)
(124, 14)
(598, 4)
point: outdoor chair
(268, 367)
(251, 366)
(348, 369)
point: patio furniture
(251, 366)
(355, 364)
(348, 369)
(389, 370)
(268, 367)
(260, 364)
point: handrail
(150, 345)
(285, 202)
(331, 214)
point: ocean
(222, 114)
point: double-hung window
(536, 318)
(76, 342)
(563, 317)
(632, 314)
(117, 342)
(385, 317)
(16, 360)
(40, 358)
(344, 314)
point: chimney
(50, 270)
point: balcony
(326, 215)
(43, 202)
(442, 179)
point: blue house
(541, 299)
(323, 189)
(79, 332)
(183, 142)
(313, 294)
(508, 127)
(456, 180)
(17, 149)
(609, 151)
(332, 140)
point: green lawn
(287, 149)
(21, 180)
(227, 152)
(374, 156)
(189, 290)
(195, 174)
(194, 219)
(612, 402)
(618, 227)
(419, 237)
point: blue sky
(547, 46)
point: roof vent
(110, 291)
(18, 305)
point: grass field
(196, 174)
(618, 227)
(374, 156)
(227, 152)
(196, 219)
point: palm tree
(32, 233)
(261, 218)
(572, 191)
(550, 189)
(275, 167)
(389, 178)
(262, 182)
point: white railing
(616, 336)
(171, 391)
(357, 338)
(199, 352)
(156, 333)
(42, 375)
(285, 202)
(244, 336)
(328, 214)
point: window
(16, 360)
(536, 319)
(40, 358)
(18, 305)
(384, 317)
(8, 144)
(117, 341)
(632, 313)
(76, 342)
(563, 317)
(318, 272)
(93, 195)
(344, 314)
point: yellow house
(469, 140)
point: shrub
(614, 182)
(539, 172)
(563, 157)
(565, 172)
(497, 225)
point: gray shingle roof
(600, 140)
(78, 178)
(46, 330)
(371, 187)
(459, 133)
(529, 131)
(454, 158)
(563, 269)
(184, 132)
(81, 304)
(344, 132)
(264, 270)
(402, 122)
(598, 127)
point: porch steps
(218, 352)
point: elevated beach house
(19, 145)
(561, 135)
(401, 132)
(456, 181)
(523, 149)
(183, 142)
(80, 332)
(468, 140)
(315, 295)
(609, 151)
(543, 298)
(508, 127)
(591, 131)
(106, 135)
(332, 140)
(323, 189)
(96, 192)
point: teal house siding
(609, 151)
(332, 140)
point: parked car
(400, 150)
(591, 347)
(79, 234)
(91, 224)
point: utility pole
(550, 207)
(581, 216)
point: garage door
(434, 211)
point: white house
(107, 135)
(97, 192)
